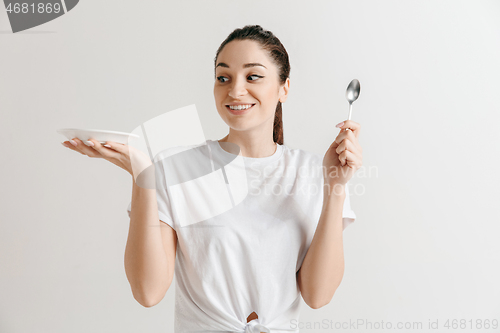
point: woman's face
(246, 75)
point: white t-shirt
(243, 231)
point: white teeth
(240, 107)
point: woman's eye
(219, 77)
(255, 76)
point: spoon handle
(349, 118)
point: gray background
(425, 242)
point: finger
(349, 135)
(104, 151)
(352, 125)
(351, 165)
(68, 144)
(345, 145)
(349, 159)
(343, 157)
(353, 147)
(84, 149)
(119, 147)
(334, 144)
(74, 145)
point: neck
(255, 144)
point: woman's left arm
(323, 266)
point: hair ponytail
(278, 125)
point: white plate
(100, 135)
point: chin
(239, 124)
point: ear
(284, 89)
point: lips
(238, 112)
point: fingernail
(90, 143)
(73, 142)
(64, 144)
(339, 124)
(107, 146)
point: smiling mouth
(239, 111)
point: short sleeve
(162, 198)
(348, 215)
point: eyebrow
(252, 64)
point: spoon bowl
(352, 92)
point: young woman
(245, 269)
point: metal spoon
(352, 94)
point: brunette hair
(269, 42)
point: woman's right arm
(150, 251)
(151, 244)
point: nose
(238, 89)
